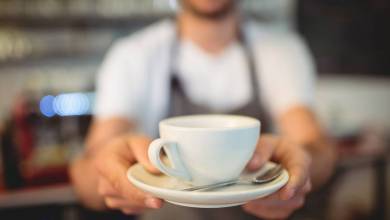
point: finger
(297, 163)
(298, 177)
(105, 188)
(264, 150)
(140, 146)
(115, 203)
(300, 192)
(133, 194)
(114, 170)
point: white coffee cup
(205, 149)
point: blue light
(67, 104)
(71, 104)
(46, 106)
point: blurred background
(50, 51)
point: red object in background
(2, 187)
(47, 176)
(347, 145)
(24, 134)
(23, 137)
(370, 141)
(23, 128)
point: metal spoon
(266, 177)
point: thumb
(139, 144)
(264, 150)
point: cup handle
(178, 169)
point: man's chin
(212, 14)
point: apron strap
(249, 55)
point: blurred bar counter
(56, 202)
(38, 196)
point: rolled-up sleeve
(120, 83)
(287, 73)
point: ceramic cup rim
(249, 122)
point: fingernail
(255, 162)
(153, 170)
(152, 203)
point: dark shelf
(53, 60)
(79, 21)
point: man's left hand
(296, 161)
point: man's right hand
(112, 162)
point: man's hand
(112, 162)
(292, 196)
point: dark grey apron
(180, 104)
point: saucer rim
(278, 183)
(206, 206)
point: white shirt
(133, 81)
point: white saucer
(169, 189)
